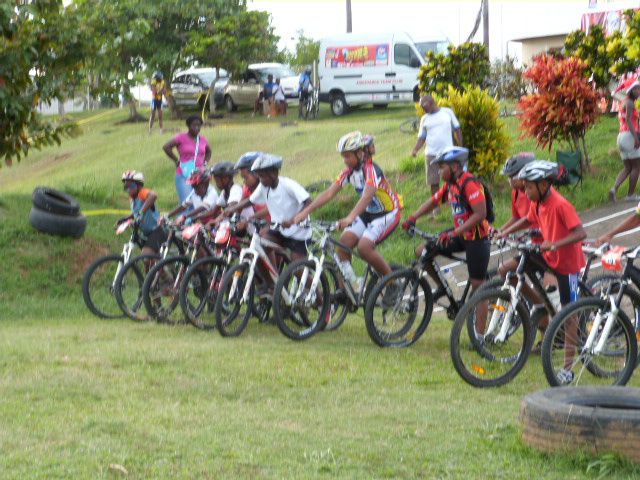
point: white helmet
(266, 161)
(133, 175)
(539, 170)
(350, 142)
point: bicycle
(235, 302)
(129, 281)
(493, 356)
(295, 295)
(596, 332)
(161, 287)
(227, 249)
(99, 281)
(396, 325)
(312, 105)
(410, 126)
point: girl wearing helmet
(199, 202)
(143, 211)
(562, 234)
(374, 217)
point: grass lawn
(85, 398)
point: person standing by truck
(438, 127)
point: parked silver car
(190, 87)
(243, 92)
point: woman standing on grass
(628, 140)
(194, 152)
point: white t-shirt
(437, 129)
(278, 93)
(235, 195)
(209, 201)
(283, 203)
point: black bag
(491, 211)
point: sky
(508, 19)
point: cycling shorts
(377, 229)
(567, 284)
(155, 239)
(296, 246)
(477, 253)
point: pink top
(186, 145)
(622, 118)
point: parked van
(378, 68)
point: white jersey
(195, 201)
(235, 195)
(437, 129)
(284, 202)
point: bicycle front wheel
(338, 299)
(161, 288)
(570, 357)
(392, 312)
(129, 283)
(199, 291)
(98, 287)
(491, 341)
(233, 308)
(300, 311)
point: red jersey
(474, 194)
(556, 218)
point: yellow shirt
(157, 88)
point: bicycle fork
(500, 322)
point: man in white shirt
(438, 127)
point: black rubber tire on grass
(597, 420)
(55, 201)
(55, 224)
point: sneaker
(390, 296)
(565, 377)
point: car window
(404, 55)
(194, 80)
(179, 79)
(277, 72)
(207, 77)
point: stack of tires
(56, 213)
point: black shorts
(296, 246)
(155, 239)
(567, 284)
(476, 251)
(304, 95)
(156, 104)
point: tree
(42, 49)
(234, 41)
(625, 49)
(306, 52)
(564, 105)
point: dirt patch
(86, 251)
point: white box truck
(378, 68)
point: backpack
(491, 211)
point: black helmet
(158, 75)
(223, 169)
(246, 160)
(515, 163)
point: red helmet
(198, 177)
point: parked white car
(377, 68)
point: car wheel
(228, 103)
(338, 105)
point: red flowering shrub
(564, 105)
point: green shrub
(506, 80)
(412, 164)
(462, 67)
(483, 133)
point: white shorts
(626, 146)
(376, 230)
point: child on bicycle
(202, 198)
(250, 182)
(144, 211)
(374, 217)
(471, 229)
(284, 198)
(562, 234)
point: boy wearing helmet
(375, 216)
(562, 233)
(144, 211)
(250, 182)
(284, 198)
(202, 198)
(158, 89)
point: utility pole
(348, 16)
(485, 23)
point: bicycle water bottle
(451, 280)
(553, 293)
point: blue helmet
(452, 154)
(246, 160)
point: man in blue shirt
(267, 95)
(304, 85)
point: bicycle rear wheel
(393, 318)
(232, 312)
(128, 291)
(338, 302)
(161, 289)
(567, 361)
(483, 354)
(300, 312)
(98, 287)
(199, 291)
